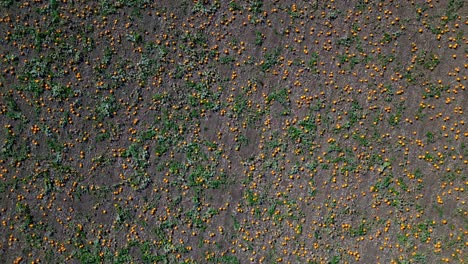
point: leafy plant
(271, 59)
(258, 38)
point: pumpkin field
(243, 131)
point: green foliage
(107, 107)
(335, 259)
(206, 8)
(258, 38)
(430, 137)
(452, 9)
(428, 61)
(235, 6)
(6, 3)
(227, 59)
(251, 198)
(294, 133)
(60, 91)
(240, 104)
(139, 155)
(433, 90)
(281, 96)
(271, 59)
(135, 37)
(13, 110)
(256, 6)
(383, 184)
(346, 41)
